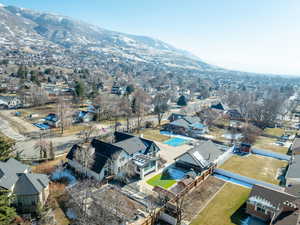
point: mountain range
(66, 38)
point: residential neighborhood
(100, 127)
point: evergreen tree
(7, 213)
(129, 89)
(79, 89)
(6, 148)
(182, 101)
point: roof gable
(31, 184)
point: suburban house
(10, 102)
(292, 176)
(186, 125)
(128, 154)
(118, 90)
(30, 189)
(84, 116)
(52, 120)
(201, 157)
(175, 116)
(218, 107)
(233, 114)
(275, 207)
(295, 147)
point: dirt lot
(225, 208)
(255, 166)
(198, 198)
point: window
(260, 209)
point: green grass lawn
(269, 144)
(255, 166)
(161, 180)
(225, 208)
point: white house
(108, 159)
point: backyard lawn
(225, 207)
(161, 180)
(274, 131)
(154, 135)
(217, 133)
(255, 166)
(269, 144)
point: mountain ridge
(38, 31)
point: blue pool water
(175, 173)
(175, 141)
(42, 126)
(232, 180)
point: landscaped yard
(255, 166)
(269, 144)
(161, 180)
(225, 208)
(154, 135)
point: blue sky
(249, 35)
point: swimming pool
(176, 141)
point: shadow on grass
(166, 176)
(239, 216)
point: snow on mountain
(19, 27)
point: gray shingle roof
(294, 168)
(180, 123)
(9, 171)
(31, 184)
(275, 197)
(192, 119)
(296, 145)
(132, 145)
(207, 149)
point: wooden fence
(198, 181)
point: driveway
(7, 130)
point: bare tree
(86, 134)
(43, 146)
(64, 113)
(140, 105)
(126, 110)
(160, 106)
(250, 133)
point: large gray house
(30, 189)
(128, 152)
(202, 156)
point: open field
(255, 166)
(195, 200)
(154, 135)
(161, 180)
(269, 144)
(224, 208)
(274, 131)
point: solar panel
(199, 157)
